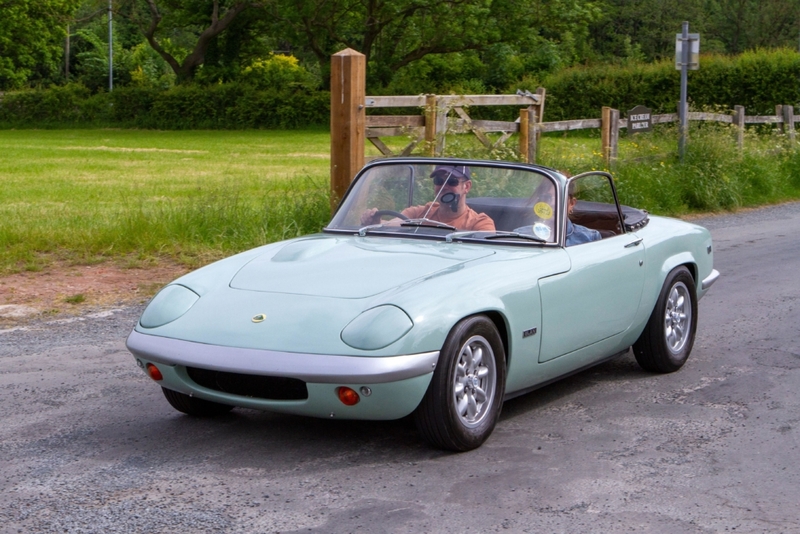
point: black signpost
(639, 120)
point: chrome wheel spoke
(480, 395)
(472, 406)
(462, 406)
(477, 357)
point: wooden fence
(435, 122)
(351, 126)
(610, 124)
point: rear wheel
(463, 402)
(194, 406)
(667, 340)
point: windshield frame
(558, 180)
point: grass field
(87, 195)
(139, 196)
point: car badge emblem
(259, 318)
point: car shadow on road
(622, 368)
(250, 438)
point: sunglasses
(439, 180)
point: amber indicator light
(154, 373)
(348, 396)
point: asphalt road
(90, 445)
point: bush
(223, 106)
(756, 80)
(278, 72)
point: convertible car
(440, 288)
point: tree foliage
(32, 39)
(411, 45)
(199, 23)
(395, 33)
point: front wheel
(667, 340)
(194, 406)
(463, 402)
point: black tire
(667, 340)
(458, 385)
(194, 406)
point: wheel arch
(656, 279)
(500, 323)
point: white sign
(693, 42)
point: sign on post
(687, 57)
(639, 120)
(692, 41)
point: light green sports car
(441, 287)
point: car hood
(300, 295)
(325, 266)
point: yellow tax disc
(543, 210)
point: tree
(748, 24)
(395, 33)
(32, 39)
(202, 21)
(648, 26)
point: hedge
(225, 106)
(757, 80)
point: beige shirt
(469, 220)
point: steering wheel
(396, 214)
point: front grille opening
(256, 386)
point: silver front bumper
(317, 368)
(709, 281)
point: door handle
(634, 243)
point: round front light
(377, 328)
(170, 303)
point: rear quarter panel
(670, 243)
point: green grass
(139, 196)
(84, 196)
(714, 175)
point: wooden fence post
(523, 135)
(788, 122)
(348, 119)
(542, 92)
(609, 133)
(738, 120)
(430, 124)
(441, 126)
(533, 134)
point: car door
(599, 296)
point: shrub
(757, 80)
(223, 106)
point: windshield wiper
(428, 223)
(501, 235)
(483, 234)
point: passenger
(577, 234)
(451, 185)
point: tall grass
(713, 176)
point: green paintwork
(388, 401)
(389, 295)
(376, 328)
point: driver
(451, 184)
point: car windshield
(451, 200)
